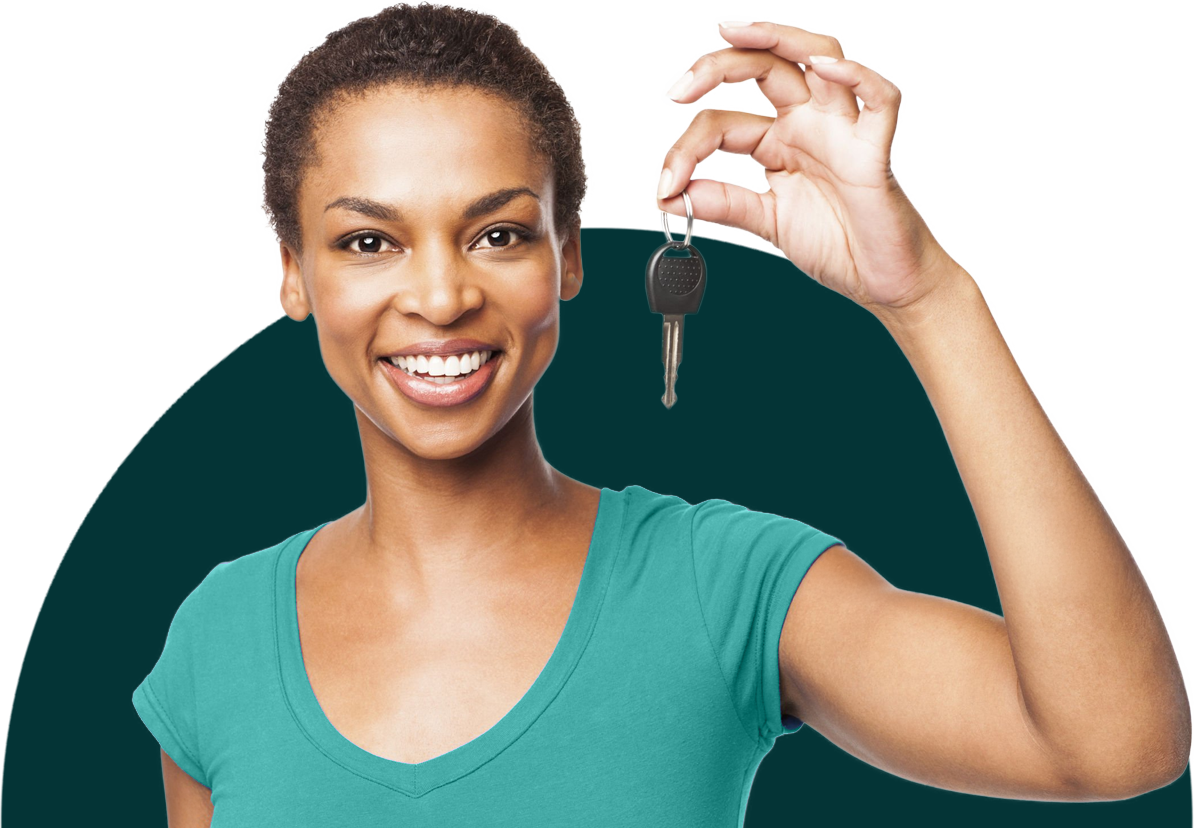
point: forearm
(1097, 672)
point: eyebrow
(387, 212)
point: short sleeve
(167, 699)
(748, 567)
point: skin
(926, 688)
(436, 277)
(459, 495)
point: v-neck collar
(418, 778)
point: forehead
(399, 138)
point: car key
(675, 287)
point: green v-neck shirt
(656, 707)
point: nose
(439, 285)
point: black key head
(676, 283)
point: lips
(442, 347)
(468, 387)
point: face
(428, 219)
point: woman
(487, 641)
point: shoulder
(649, 501)
(647, 508)
(233, 587)
(722, 527)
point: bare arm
(1086, 637)
(920, 686)
(188, 803)
(1076, 692)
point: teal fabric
(656, 707)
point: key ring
(688, 236)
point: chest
(411, 685)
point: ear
(294, 292)
(573, 271)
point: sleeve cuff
(774, 722)
(153, 714)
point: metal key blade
(675, 285)
(673, 352)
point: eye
(366, 243)
(502, 237)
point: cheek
(535, 310)
(345, 315)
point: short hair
(429, 46)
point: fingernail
(734, 24)
(821, 59)
(665, 183)
(681, 86)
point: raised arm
(1075, 693)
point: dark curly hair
(427, 46)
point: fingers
(781, 81)
(711, 130)
(795, 45)
(877, 121)
(729, 204)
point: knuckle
(706, 63)
(835, 45)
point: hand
(834, 207)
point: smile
(442, 369)
(439, 380)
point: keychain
(675, 287)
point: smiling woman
(469, 646)
(422, 239)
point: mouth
(443, 379)
(442, 369)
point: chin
(448, 450)
(443, 442)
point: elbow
(1149, 751)
(1133, 773)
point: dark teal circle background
(263, 446)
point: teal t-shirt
(656, 707)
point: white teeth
(442, 369)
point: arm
(1086, 637)
(1075, 693)
(188, 803)
(1095, 676)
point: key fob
(675, 284)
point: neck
(431, 522)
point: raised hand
(834, 208)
